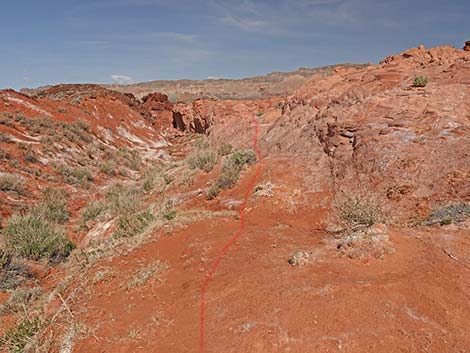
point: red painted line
(234, 238)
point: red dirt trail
(238, 233)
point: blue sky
(101, 41)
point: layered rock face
(367, 130)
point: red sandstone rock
(467, 46)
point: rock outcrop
(466, 47)
(367, 128)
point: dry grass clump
(92, 211)
(18, 338)
(358, 210)
(130, 158)
(108, 167)
(33, 237)
(37, 234)
(20, 300)
(225, 149)
(53, 206)
(363, 233)
(4, 137)
(12, 271)
(129, 225)
(76, 176)
(123, 199)
(58, 130)
(202, 159)
(12, 183)
(146, 273)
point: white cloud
(246, 24)
(121, 79)
(176, 36)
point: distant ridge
(263, 86)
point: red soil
(362, 130)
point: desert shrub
(449, 214)
(130, 158)
(203, 159)
(201, 143)
(4, 155)
(242, 157)
(29, 156)
(20, 299)
(93, 211)
(357, 210)
(5, 259)
(420, 81)
(213, 192)
(4, 137)
(76, 176)
(17, 338)
(72, 131)
(151, 177)
(108, 167)
(53, 206)
(12, 271)
(33, 237)
(77, 130)
(132, 224)
(168, 178)
(39, 125)
(19, 118)
(12, 183)
(168, 212)
(6, 121)
(225, 149)
(230, 172)
(123, 199)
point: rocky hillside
(273, 84)
(332, 218)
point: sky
(124, 41)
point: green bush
(230, 172)
(242, 157)
(33, 237)
(420, 81)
